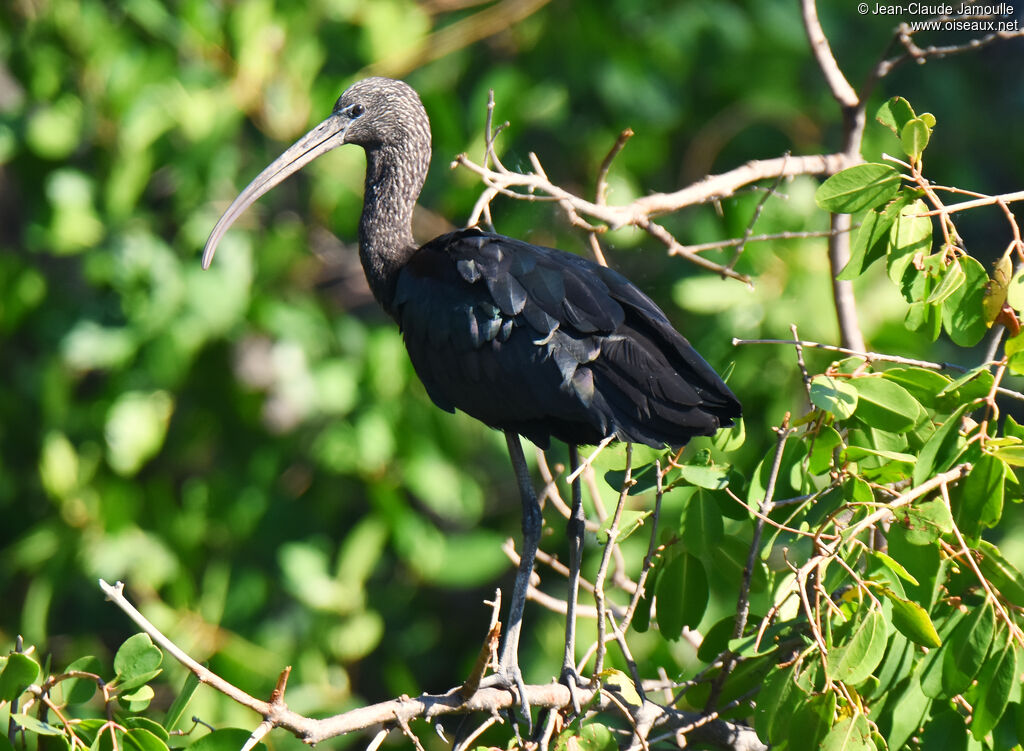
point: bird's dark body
(547, 344)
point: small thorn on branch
(277, 695)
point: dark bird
(529, 340)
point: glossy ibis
(529, 340)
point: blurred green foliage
(247, 447)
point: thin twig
(602, 571)
(1015, 630)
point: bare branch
(536, 186)
(837, 83)
(399, 712)
(879, 357)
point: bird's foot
(510, 678)
(572, 681)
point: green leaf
(963, 311)
(897, 664)
(995, 682)
(908, 712)
(35, 725)
(909, 237)
(226, 739)
(895, 113)
(941, 449)
(945, 730)
(996, 288)
(1014, 349)
(893, 565)
(859, 187)
(950, 671)
(682, 593)
(834, 395)
(80, 690)
(849, 734)
(135, 428)
(974, 384)
(912, 621)
(871, 239)
(20, 672)
(642, 615)
(593, 736)
(924, 385)
(854, 660)
(776, 704)
(136, 662)
(701, 526)
(823, 447)
(814, 719)
(885, 404)
(139, 739)
(914, 138)
(622, 683)
(137, 699)
(709, 476)
(952, 279)
(629, 522)
(1001, 574)
(977, 501)
(1015, 292)
(924, 522)
(1012, 455)
(144, 723)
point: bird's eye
(356, 110)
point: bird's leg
(509, 669)
(574, 531)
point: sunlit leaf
(885, 404)
(910, 238)
(963, 311)
(949, 670)
(135, 428)
(895, 113)
(977, 501)
(942, 447)
(912, 621)
(814, 718)
(19, 673)
(856, 658)
(859, 187)
(137, 660)
(849, 734)
(1001, 574)
(776, 704)
(996, 680)
(34, 724)
(914, 137)
(834, 395)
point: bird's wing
(543, 342)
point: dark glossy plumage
(550, 345)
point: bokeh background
(247, 447)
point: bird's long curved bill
(327, 135)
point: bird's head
(379, 111)
(373, 113)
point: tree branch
(399, 712)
